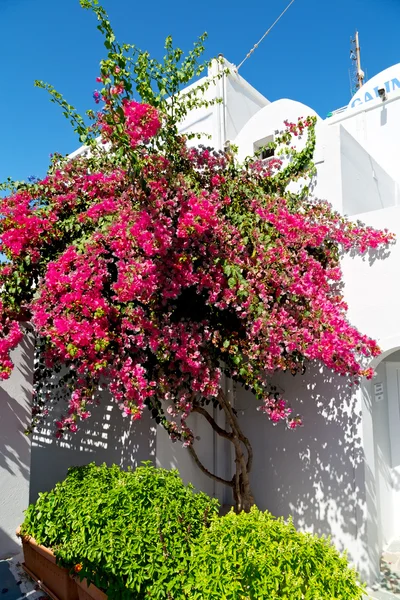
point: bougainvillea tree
(155, 268)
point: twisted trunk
(240, 482)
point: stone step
(390, 569)
(391, 560)
(381, 595)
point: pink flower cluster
(155, 283)
(297, 129)
(141, 122)
(10, 337)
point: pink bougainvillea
(10, 336)
(172, 283)
(153, 268)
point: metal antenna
(358, 74)
(265, 35)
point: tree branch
(245, 500)
(249, 449)
(214, 425)
(234, 423)
(196, 459)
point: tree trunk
(240, 482)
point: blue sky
(305, 57)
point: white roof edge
(348, 113)
(233, 72)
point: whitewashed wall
(309, 473)
(382, 472)
(335, 475)
(266, 121)
(222, 121)
(213, 451)
(15, 447)
(366, 185)
(372, 284)
(350, 175)
(376, 124)
(242, 101)
(104, 438)
(108, 437)
(372, 292)
(377, 128)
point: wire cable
(265, 34)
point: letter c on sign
(353, 104)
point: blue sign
(370, 91)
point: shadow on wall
(15, 414)
(214, 455)
(15, 446)
(10, 543)
(106, 437)
(372, 255)
(315, 473)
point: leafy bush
(253, 556)
(144, 534)
(130, 533)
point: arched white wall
(327, 157)
(266, 121)
(351, 165)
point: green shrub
(144, 534)
(129, 532)
(52, 519)
(257, 557)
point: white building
(343, 477)
(339, 474)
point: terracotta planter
(89, 592)
(40, 564)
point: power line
(265, 34)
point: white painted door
(393, 400)
(393, 397)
